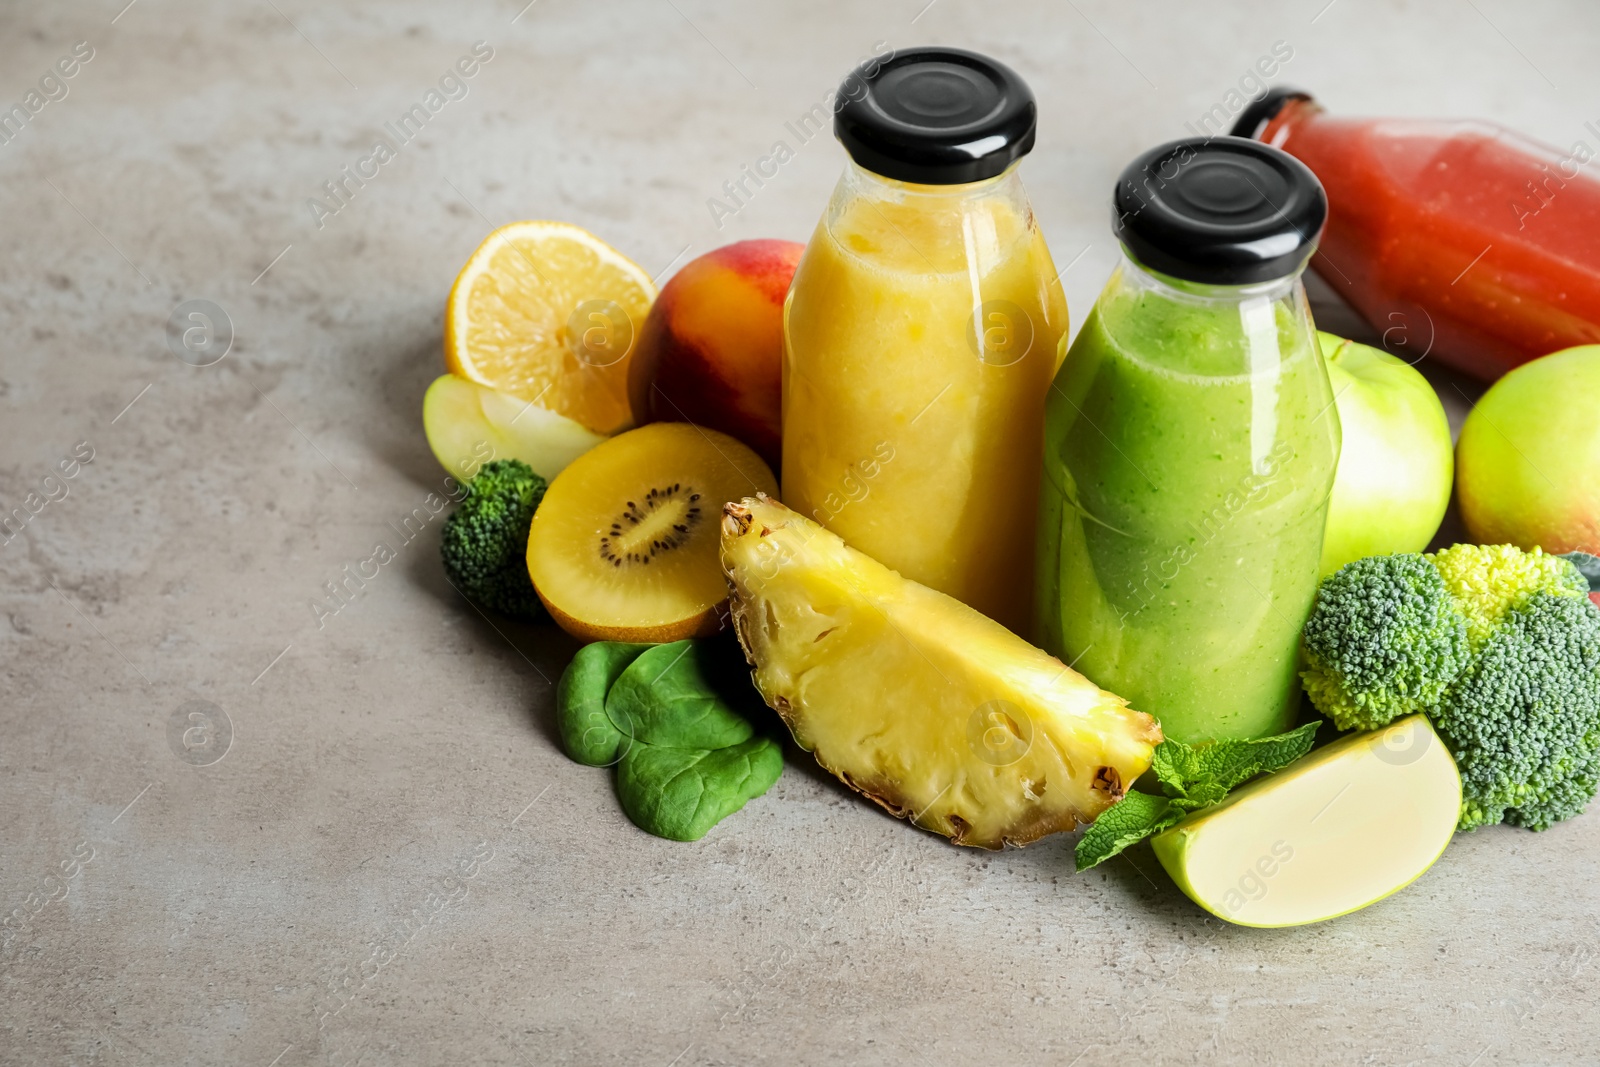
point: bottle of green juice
(1190, 446)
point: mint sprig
(1192, 777)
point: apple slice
(1342, 828)
(470, 424)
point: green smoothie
(1190, 447)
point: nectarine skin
(711, 350)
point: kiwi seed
(659, 522)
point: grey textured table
(392, 861)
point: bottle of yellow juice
(921, 333)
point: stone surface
(392, 861)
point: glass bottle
(1190, 447)
(1459, 238)
(921, 330)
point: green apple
(1354, 822)
(1529, 456)
(468, 425)
(1396, 464)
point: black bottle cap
(1219, 210)
(936, 116)
(1254, 118)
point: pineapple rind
(895, 688)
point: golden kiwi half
(624, 546)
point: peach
(711, 350)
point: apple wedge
(1346, 826)
(470, 424)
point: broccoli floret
(1384, 639)
(1500, 648)
(1488, 580)
(1524, 723)
(485, 540)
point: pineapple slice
(936, 712)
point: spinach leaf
(665, 697)
(587, 732)
(667, 716)
(1193, 777)
(681, 793)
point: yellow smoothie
(920, 338)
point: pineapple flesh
(936, 712)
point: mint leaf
(1177, 767)
(1127, 822)
(1193, 777)
(1199, 776)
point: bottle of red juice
(1460, 238)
